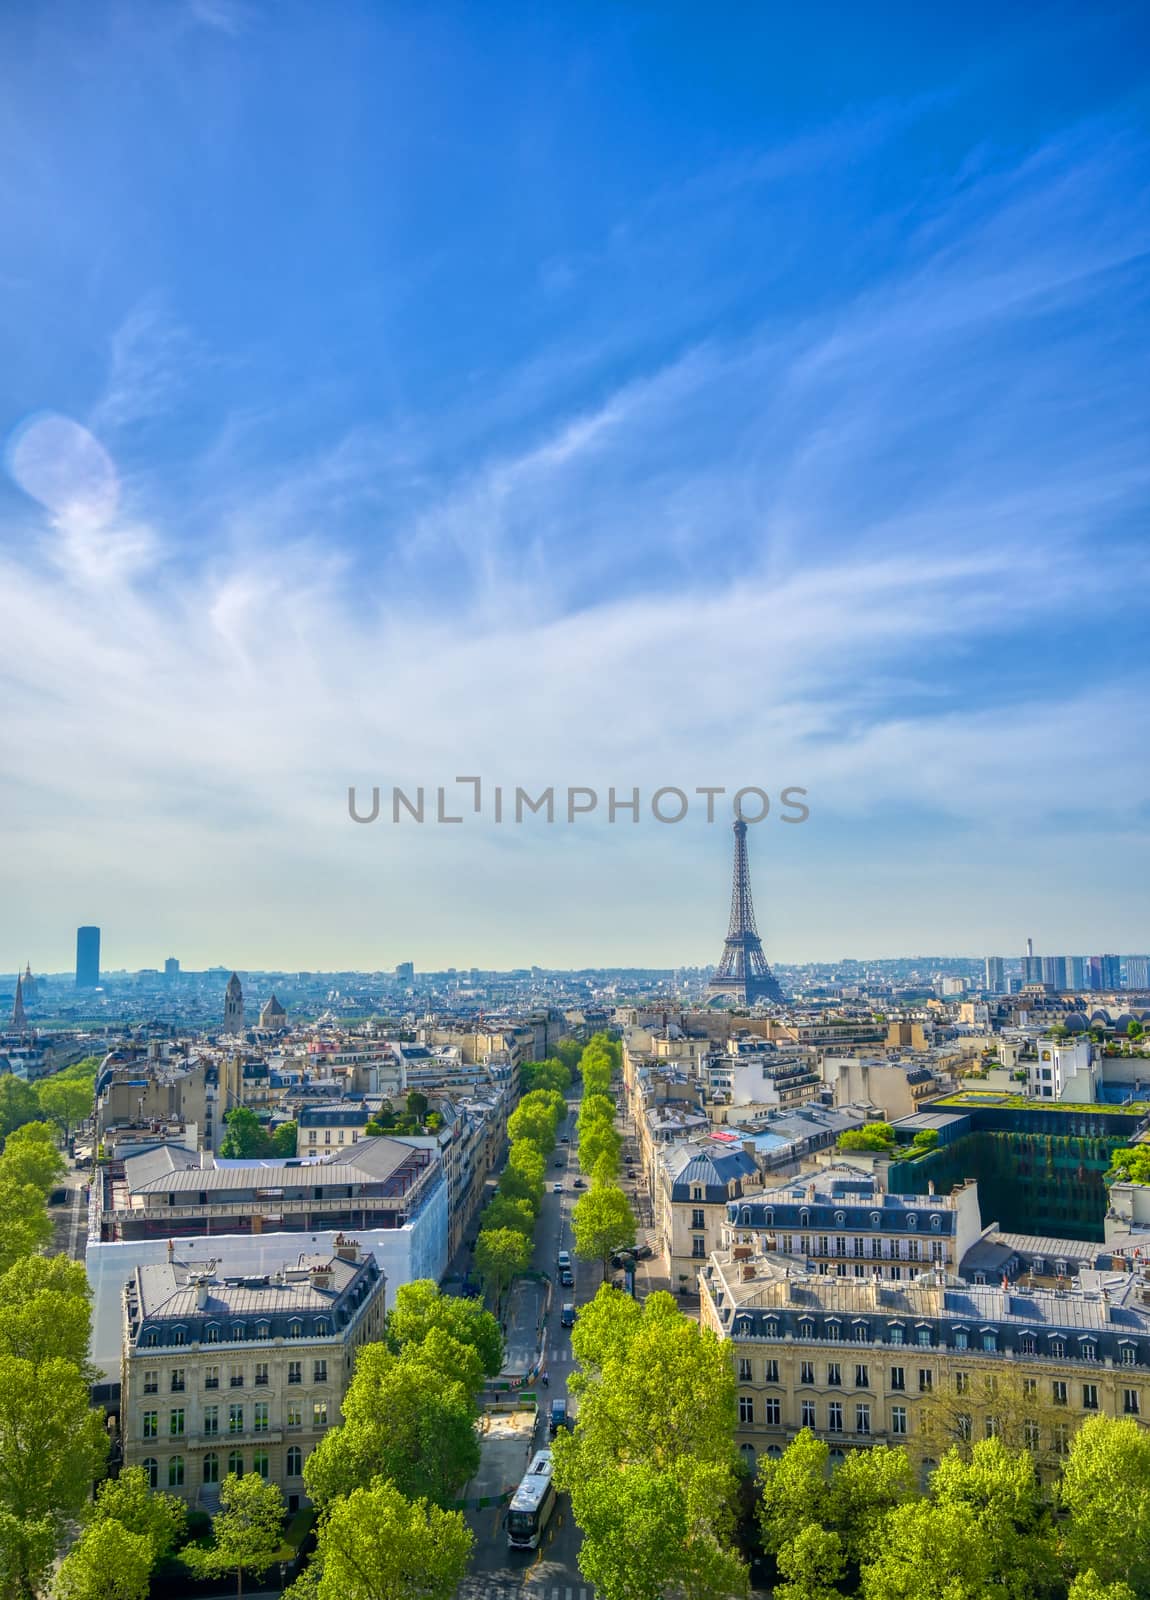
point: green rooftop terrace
(965, 1099)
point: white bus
(532, 1504)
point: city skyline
(597, 399)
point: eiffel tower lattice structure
(743, 972)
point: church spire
(19, 1015)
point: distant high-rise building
(171, 969)
(1077, 972)
(87, 958)
(1138, 972)
(995, 975)
(405, 972)
(1031, 967)
(1054, 971)
(1110, 971)
(1030, 947)
(234, 1006)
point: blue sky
(571, 394)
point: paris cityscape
(574, 984)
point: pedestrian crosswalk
(479, 1587)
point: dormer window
(150, 1337)
(936, 1223)
(840, 1218)
(295, 1329)
(322, 1327)
(804, 1218)
(876, 1219)
(912, 1222)
(238, 1332)
(212, 1333)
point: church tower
(234, 1006)
(19, 1015)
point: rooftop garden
(1021, 1102)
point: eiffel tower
(742, 972)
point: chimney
(748, 1270)
(171, 1251)
(930, 1186)
(346, 1249)
(202, 1294)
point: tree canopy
(374, 1544)
(246, 1531)
(421, 1307)
(602, 1223)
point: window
(862, 1333)
(212, 1333)
(936, 1250)
(293, 1414)
(294, 1461)
(235, 1419)
(151, 1382)
(295, 1371)
(177, 1385)
(176, 1422)
(744, 1370)
(925, 1380)
(236, 1376)
(771, 1329)
(834, 1375)
(295, 1329)
(1058, 1392)
(1058, 1348)
(151, 1467)
(808, 1413)
(176, 1472)
(1088, 1350)
(832, 1331)
(239, 1332)
(965, 1426)
(211, 1467)
(319, 1372)
(923, 1336)
(991, 1427)
(898, 1377)
(806, 1328)
(898, 1420)
(322, 1327)
(151, 1338)
(961, 1339)
(856, 1246)
(912, 1250)
(1027, 1344)
(151, 1421)
(746, 1408)
(770, 1372)
(319, 1414)
(260, 1463)
(835, 1416)
(698, 1249)
(236, 1462)
(211, 1420)
(989, 1339)
(862, 1419)
(862, 1378)
(211, 1377)
(263, 1330)
(261, 1372)
(1061, 1439)
(698, 1219)
(807, 1372)
(1130, 1404)
(936, 1223)
(1031, 1435)
(896, 1334)
(774, 1414)
(1089, 1397)
(1128, 1355)
(260, 1417)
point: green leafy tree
(422, 1307)
(247, 1530)
(404, 1420)
(245, 1136)
(525, 1158)
(108, 1562)
(930, 1552)
(600, 1140)
(1130, 1165)
(863, 1489)
(129, 1502)
(925, 1139)
(66, 1101)
(569, 1052)
(19, 1103)
(606, 1168)
(595, 1108)
(283, 1140)
(534, 1120)
(506, 1212)
(873, 1136)
(417, 1105)
(602, 1223)
(501, 1254)
(27, 1226)
(1089, 1586)
(654, 1445)
(812, 1564)
(30, 1156)
(792, 1491)
(45, 1310)
(1105, 1488)
(52, 1447)
(376, 1545)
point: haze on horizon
(589, 396)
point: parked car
(564, 1260)
(644, 1253)
(579, 1184)
(560, 1417)
(567, 1316)
(566, 1278)
(565, 1140)
(556, 1188)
